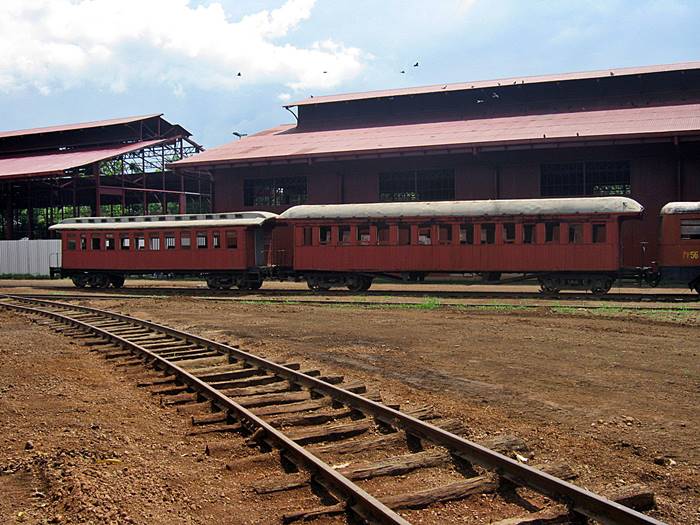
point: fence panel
(29, 257)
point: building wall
(505, 175)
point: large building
(109, 167)
(632, 131)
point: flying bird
(239, 134)
(415, 65)
(325, 72)
(479, 101)
(403, 71)
(238, 74)
(495, 95)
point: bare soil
(612, 395)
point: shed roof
(487, 84)
(673, 208)
(286, 144)
(490, 208)
(58, 163)
(78, 126)
(245, 218)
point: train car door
(262, 245)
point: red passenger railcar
(572, 243)
(679, 243)
(227, 248)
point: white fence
(29, 257)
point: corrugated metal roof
(285, 144)
(81, 125)
(490, 208)
(57, 163)
(488, 84)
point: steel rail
(366, 505)
(344, 302)
(578, 499)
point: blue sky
(76, 60)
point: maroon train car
(679, 243)
(227, 248)
(565, 243)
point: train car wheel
(254, 285)
(358, 283)
(117, 281)
(80, 281)
(601, 286)
(98, 280)
(548, 287)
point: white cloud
(284, 97)
(50, 45)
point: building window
(466, 234)
(575, 233)
(551, 232)
(215, 240)
(509, 233)
(404, 234)
(425, 235)
(281, 191)
(344, 234)
(417, 185)
(71, 244)
(109, 242)
(96, 243)
(577, 179)
(124, 241)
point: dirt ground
(612, 395)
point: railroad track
(343, 297)
(311, 419)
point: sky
(64, 61)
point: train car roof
(680, 207)
(244, 218)
(490, 208)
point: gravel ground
(613, 394)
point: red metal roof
(285, 144)
(489, 84)
(57, 163)
(81, 125)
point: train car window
(185, 240)
(425, 232)
(154, 242)
(308, 237)
(576, 233)
(599, 232)
(140, 242)
(96, 243)
(169, 241)
(344, 234)
(488, 233)
(71, 245)
(363, 234)
(529, 234)
(125, 242)
(690, 229)
(202, 241)
(445, 234)
(215, 240)
(109, 242)
(383, 233)
(83, 242)
(325, 234)
(509, 232)
(404, 234)
(466, 234)
(551, 232)
(231, 240)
